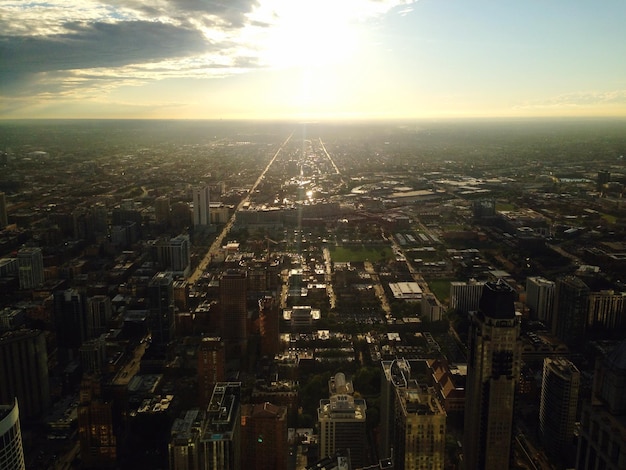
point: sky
(312, 59)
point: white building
(540, 298)
(201, 207)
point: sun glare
(309, 33)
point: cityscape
(400, 294)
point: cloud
(579, 99)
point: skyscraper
(201, 199)
(465, 296)
(70, 318)
(607, 310)
(24, 371)
(11, 449)
(264, 436)
(99, 312)
(220, 445)
(492, 376)
(269, 315)
(540, 298)
(233, 306)
(98, 443)
(602, 440)
(175, 254)
(162, 210)
(571, 309)
(184, 445)
(161, 308)
(342, 423)
(557, 409)
(4, 220)
(30, 267)
(211, 368)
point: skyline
(305, 59)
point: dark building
(24, 371)
(571, 310)
(492, 376)
(211, 367)
(602, 440)
(233, 306)
(161, 309)
(70, 318)
(264, 436)
(269, 319)
(98, 443)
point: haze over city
(311, 59)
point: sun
(310, 33)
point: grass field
(343, 254)
(441, 288)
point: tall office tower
(264, 436)
(201, 212)
(4, 220)
(175, 254)
(11, 449)
(540, 298)
(162, 210)
(184, 445)
(607, 310)
(221, 441)
(342, 424)
(70, 318)
(24, 371)
(211, 367)
(602, 439)
(557, 409)
(233, 305)
(99, 312)
(93, 356)
(604, 177)
(98, 444)
(571, 309)
(420, 436)
(269, 319)
(493, 369)
(465, 296)
(30, 267)
(411, 431)
(161, 308)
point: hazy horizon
(311, 59)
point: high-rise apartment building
(98, 443)
(602, 439)
(201, 208)
(220, 445)
(30, 268)
(24, 371)
(264, 436)
(234, 310)
(4, 220)
(413, 421)
(11, 449)
(175, 254)
(571, 310)
(607, 310)
(492, 376)
(420, 429)
(99, 313)
(184, 445)
(465, 296)
(557, 408)
(269, 319)
(211, 367)
(540, 298)
(162, 210)
(70, 318)
(161, 308)
(341, 420)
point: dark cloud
(229, 12)
(86, 46)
